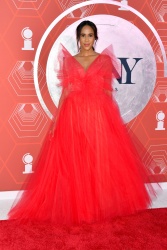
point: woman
(89, 170)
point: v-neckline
(85, 70)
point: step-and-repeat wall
(30, 34)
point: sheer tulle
(89, 169)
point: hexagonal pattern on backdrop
(23, 120)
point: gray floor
(160, 201)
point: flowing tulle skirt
(88, 170)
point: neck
(86, 52)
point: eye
(82, 35)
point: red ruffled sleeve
(112, 67)
(60, 66)
(116, 67)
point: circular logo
(27, 33)
(27, 158)
(160, 116)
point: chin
(87, 48)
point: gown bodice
(97, 77)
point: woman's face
(87, 38)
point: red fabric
(89, 170)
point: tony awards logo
(27, 36)
(27, 160)
(160, 116)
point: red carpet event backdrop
(28, 91)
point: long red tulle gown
(89, 169)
